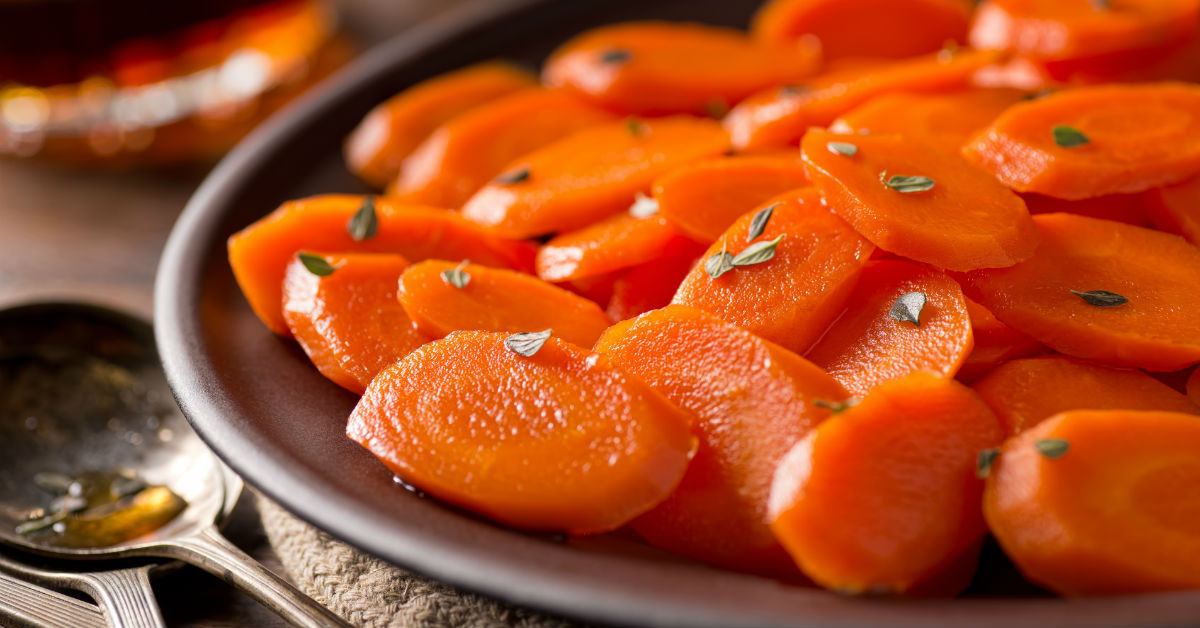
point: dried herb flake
(1101, 298)
(1052, 448)
(527, 343)
(457, 276)
(906, 184)
(759, 223)
(907, 308)
(365, 222)
(316, 264)
(756, 253)
(985, 461)
(1069, 136)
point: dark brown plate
(256, 400)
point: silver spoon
(85, 415)
(27, 604)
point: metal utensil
(26, 604)
(85, 405)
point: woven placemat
(370, 593)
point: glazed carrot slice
(376, 148)
(750, 401)
(470, 421)
(703, 198)
(1092, 141)
(910, 199)
(995, 344)
(443, 297)
(348, 322)
(610, 245)
(598, 289)
(1019, 73)
(882, 497)
(1104, 263)
(590, 175)
(1022, 393)
(259, 254)
(865, 28)
(944, 121)
(791, 298)
(656, 68)
(462, 155)
(778, 117)
(1101, 502)
(874, 342)
(649, 286)
(1176, 209)
(1127, 208)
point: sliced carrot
(750, 400)
(462, 155)
(1157, 329)
(995, 344)
(871, 344)
(1127, 208)
(649, 286)
(260, 253)
(590, 175)
(1093, 141)
(598, 289)
(703, 198)
(944, 121)
(1101, 502)
(959, 219)
(791, 298)
(376, 149)
(349, 322)
(443, 297)
(1014, 73)
(865, 28)
(882, 497)
(1022, 393)
(1176, 209)
(560, 441)
(610, 245)
(656, 68)
(778, 117)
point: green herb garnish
(756, 253)
(1101, 298)
(615, 55)
(1052, 448)
(907, 308)
(516, 176)
(316, 264)
(985, 461)
(527, 343)
(719, 263)
(457, 276)
(759, 223)
(842, 148)
(364, 223)
(836, 406)
(1069, 136)
(906, 184)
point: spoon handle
(214, 553)
(27, 604)
(124, 595)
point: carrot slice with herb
(778, 117)
(260, 253)
(944, 121)
(751, 400)
(612, 244)
(462, 155)
(626, 449)
(1022, 393)
(865, 28)
(883, 497)
(443, 297)
(344, 314)
(909, 199)
(995, 344)
(703, 198)
(1127, 208)
(1102, 290)
(902, 317)
(783, 271)
(590, 175)
(650, 286)
(1176, 209)
(656, 68)
(1092, 141)
(376, 148)
(1101, 502)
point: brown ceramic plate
(256, 400)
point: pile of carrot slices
(830, 300)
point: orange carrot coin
(610, 245)
(649, 286)
(995, 344)
(865, 28)
(1176, 209)
(944, 121)
(443, 297)
(750, 400)
(471, 421)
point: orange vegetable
(1015, 73)
(1024, 392)
(1133, 138)
(260, 253)
(1157, 329)
(376, 149)
(590, 175)
(597, 289)
(651, 285)
(348, 322)
(944, 121)
(462, 155)
(882, 497)
(868, 345)
(493, 299)
(1101, 502)
(656, 68)
(778, 117)
(1193, 387)
(703, 198)
(610, 245)
(751, 400)
(1176, 209)
(1126, 208)
(791, 298)
(865, 28)
(995, 344)
(473, 423)
(926, 224)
